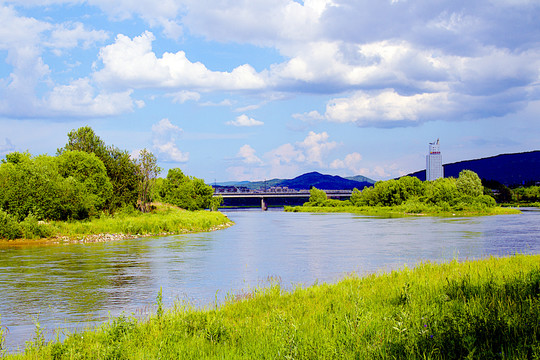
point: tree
(121, 169)
(147, 171)
(187, 192)
(90, 171)
(84, 139)
(468, 183)
(35, 186)
(316, 197)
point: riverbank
(404, 210)
(163, 220)
(475, 309)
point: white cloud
(70, 35)
(164, 136)
(247, 154)
(244, 120)
(316, 146)
(352, 162)
(387, 108)
(79, 99)
(225, 102)
(132, 63)
(183, 96)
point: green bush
(9, 227)
(32, 228)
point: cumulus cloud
(474, 59)
(164, 137)
(245, 121)
(387, 108)
(352, 162)
(315, 146)
(25, 40)
(247, 154)
(132, 63)
(287, 159)
(79, 98)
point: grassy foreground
(486, 309)
(163, 219)
(405, 210)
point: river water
(75, 286)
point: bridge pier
(264, 207)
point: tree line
(87, 178)
(446, 193)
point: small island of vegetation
(405, 196)
(93, 192)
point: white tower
(434, 168)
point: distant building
(434, 168)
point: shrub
(9, 227)
(34, 229)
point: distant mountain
(508, 169)
(305, 182)
(361, 178)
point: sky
(232, 90)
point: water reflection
(84, 283)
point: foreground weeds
(487, 309)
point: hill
(320, 181)
(508, 169)
(305, 182)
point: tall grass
(407, 209)
(487, 309)
(163, 219)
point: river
(75, 286)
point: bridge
(289, 197)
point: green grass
(486, 309)
(164, 219)
(406, 210)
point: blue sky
(258, 89)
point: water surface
(84, 284)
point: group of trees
(184, 191)
(446, 193)
(87, 177)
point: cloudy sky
(259, 89)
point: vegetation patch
(485, 309)
(407, 196)
(163, 219)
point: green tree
(147, 171)
(468, 183)
(90, 171)
(121, 169)
(187, 192)
(35, 186)
(316, 197)
(442, 190)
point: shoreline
(397, 212)
(101, 237)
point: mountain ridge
(305, 182)
(510, 169)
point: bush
(34, 229)
(9, 227)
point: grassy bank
(163, 219)
(487, 309)
(406, 210)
